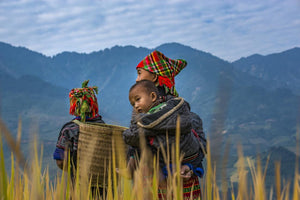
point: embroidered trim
(163, 117)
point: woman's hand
(185, 172)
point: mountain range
(253, 101)
(278, 68)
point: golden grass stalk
(258, 178)
(296, 188)
(12, 143)
(243, 189)
(277, 181)
(208, 185)
(3, 175)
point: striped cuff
(198, 171)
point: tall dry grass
(29, 181)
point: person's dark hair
(149, 86)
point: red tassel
(72, 108)
(166, 81)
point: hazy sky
(229, 29)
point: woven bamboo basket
(95, 149)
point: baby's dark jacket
(157, 124)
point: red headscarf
(164, 67)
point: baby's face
(140, 100)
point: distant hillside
(287, 161)
(34, 100)
(282, 69)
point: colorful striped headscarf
(83, 101)
(165, 68)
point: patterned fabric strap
(157, 108)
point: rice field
(27, 180)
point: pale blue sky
(229, 29)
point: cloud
(228, 29)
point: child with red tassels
(84, 106)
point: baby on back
(157, 121)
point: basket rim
(99, 124)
